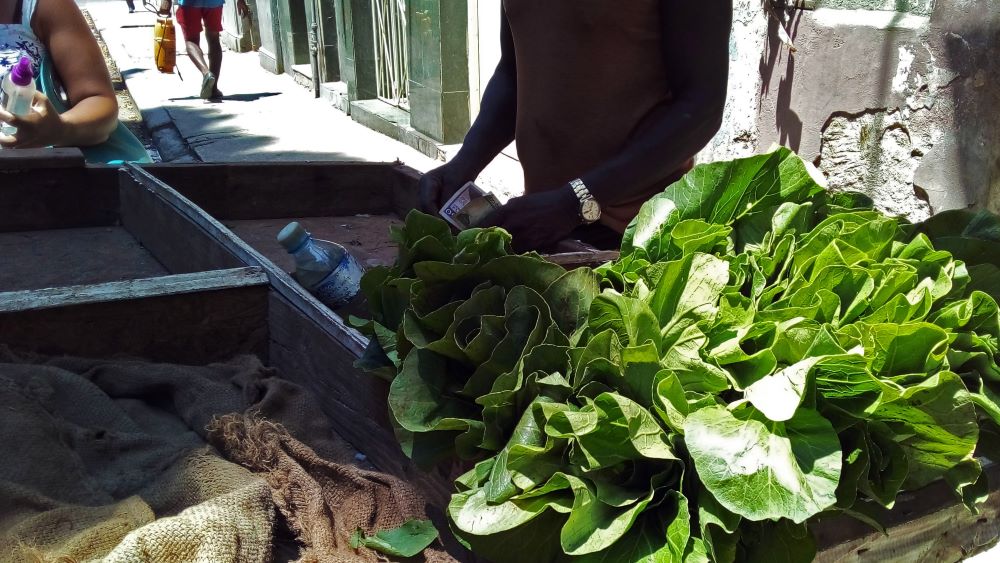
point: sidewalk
(263, 117)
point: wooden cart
(179, 263)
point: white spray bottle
(17, 92)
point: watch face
(590, 210)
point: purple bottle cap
(22, 75)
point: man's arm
(93, 112)
(696, 53)
(492, 131)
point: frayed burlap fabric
(110, 461)
(323, 502)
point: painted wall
(902, 105)
(238, 33)
(293, 26)
(269, 47)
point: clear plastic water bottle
(324, 268)
(18, 92)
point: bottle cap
(293, 236)
(22, 74)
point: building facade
(897, 98)
(402, 67)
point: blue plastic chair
(121, 147)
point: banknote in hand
(469, 206)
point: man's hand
(165, 6)
(242, 9)
(42, 127)
(538, 221)
(438, 185)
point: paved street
(264, 117)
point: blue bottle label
(341, 285)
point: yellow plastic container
(164, 44)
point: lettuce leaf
(764, 352)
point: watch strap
(583, 194)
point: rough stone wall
(879, 151)
(738, 135)
(919, 7)
(903, 105)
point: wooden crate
(74, 235)
(183, 267)
(66, 224)
(353, 204)
(245, 205)
(928, 525)
(191, 319)
(97, 264)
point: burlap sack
(108, 461)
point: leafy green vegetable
(741, 194)
(763, 353)
(764, 470)
(454, 324)
(405, 541)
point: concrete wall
(329, 55)
(269, 48)
(293, 26)
(739, 135)
(238, 33)
(903, 105)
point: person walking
(192, 17)
(131, 6)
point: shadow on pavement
(215, 136)
(230, 98)
(249, 97)
(128, 73)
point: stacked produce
(763, 354)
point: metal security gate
(391, 67)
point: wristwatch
(590, 210)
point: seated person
(56, 29)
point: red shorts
(189, 19)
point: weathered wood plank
(405, 195)
(268, 190)
(14, 301)
(175, 239)
(187, 327)
(366, 237)
(313, 346)
(62, 257)
(238, 250)
(925, 526)
(28, 159)
(58, 198)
